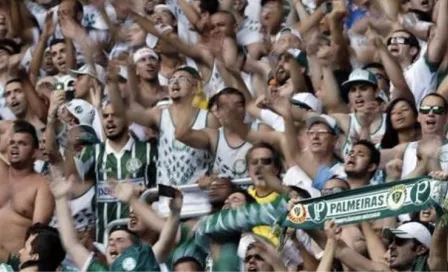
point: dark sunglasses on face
(400, 241)
(300, 105)
(264, 161)
(334, 190)
(255, 256)
(439, 110)
(399, 40)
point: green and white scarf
(367, 203)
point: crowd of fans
(126, 123)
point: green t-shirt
(421, 264)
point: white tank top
(410, 158)
(230, 161)
(355, 129)
(179, 164)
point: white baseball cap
(99, 72)
(82, 110)
(360, 76)
(412, 230)
(330, 122)
(151, 40)
(288, 30)
(143, 53)
(308, 100)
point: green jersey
(135, 162)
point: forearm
(337, 38)
(437, 260)
(437, 46)
(115, 96)
(36, 60)
(191, 14)
(167, 239)
(50, 139)
(332, 97)
(16, 18)
(311, 21)
(358, 262)
(71, 54)
(375, 246)
(300, 10)
(326, 263)
(36, 103)
(290, 146)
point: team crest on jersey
(129, 264)
(133, 165)
(444, 156)
(179, 146)
(239, 166)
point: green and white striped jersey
(136, 162)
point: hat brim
(349, 83)
(77, 73)
(318, 119)
(390, 233)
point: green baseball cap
(360, 76)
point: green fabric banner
(367, 203)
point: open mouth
(252, 268)
(113, 253)
(15, 105)
(425, 4)
(14, 154)
(359, 103)
(431, 123)
(110, 128)
(62, 64)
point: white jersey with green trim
(410, 158)
(135, 162)
(179, 164)
(230, 161)
(355, 130)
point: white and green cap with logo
(360, 76)
(327, 120)
(82, 110)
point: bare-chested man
(25, 196)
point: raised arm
(200, 139)
(72, 245)
(374, 243)
(167, 238)
(35, 101)
(43, 203)
(437, 45)
(333, 235)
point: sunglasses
(400, 241)
(255, 256)
(399, 40)
(439, 110)
(300, 105)
(264, 161)
(334, 190)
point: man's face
(136, 36)
(222, 25)
(181, 84)
(357, 163)
(4, 59)
(288, 40)
(219, 190)
(187, 266)
(231, 103)
(16, 99)
(47, 64)
(26, 253)
(163, 17)
(239, 5)
(401, 254)
(82, 85)
(334, 186)
(272, 14)
(135, 224)
(253, 262)
(118, 242)
(148, 68)
(3, 24)
(401, 50)
(261, 159)
(59, 57)
(432, 122)
(360, 94)
(235, 201)
(381, 78)
(113, 125)
(21, 151)
(423, 5)
(320, 139)
(283, 71)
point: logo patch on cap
(78, 109)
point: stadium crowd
(210, 135)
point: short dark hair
(276, 155)
(264, 2)
(53, 42)
(135, 239)
(210, 6)
(304, 194)
(18, 80)
(189, 259)
(230, 91)
(21, 126)
(445, 104)
(47, 244)
(375, 155)
(413, 41)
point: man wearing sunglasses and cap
(420, 70)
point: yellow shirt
(265, 231)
